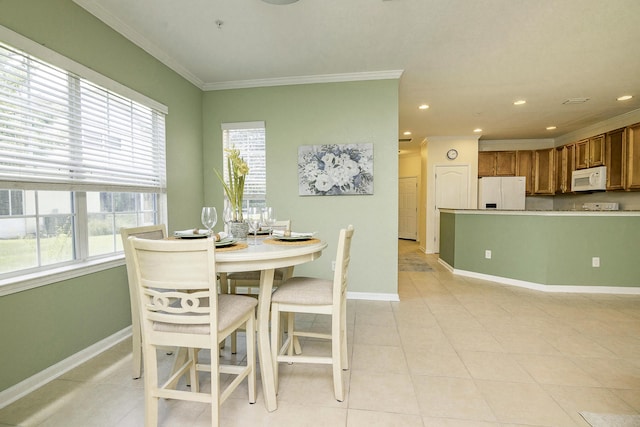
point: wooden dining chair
(315, 296)
(155, 232)
(250, 280)
(180, 306)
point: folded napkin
(281, 233)
(203, 232)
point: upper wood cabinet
(496, 163)
(633, 157)
(543, 171)
(590, 152)
(486, 163)
(505, 163)
(616, 151)
(596, 151)
(524, 167)
(564, 166)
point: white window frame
(81, 265)
(257, 161)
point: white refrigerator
(501, 192)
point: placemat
(273, 241)
(235, 247)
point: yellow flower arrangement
(237, 170)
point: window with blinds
(60, 129)
(78, 161)
(250, 139)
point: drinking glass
(254, 217)
(269, 217)
(209, 218)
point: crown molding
(299, 80)
(135, 37)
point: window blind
(60, 129)
(249, 138)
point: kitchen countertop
(541, 212)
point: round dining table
(265, 256)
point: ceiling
(469, 60)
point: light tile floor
(454, 352)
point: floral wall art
(335, 169)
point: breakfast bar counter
(556, 251)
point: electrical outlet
(333, 266)
(595, 261)
(487, 254)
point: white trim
(45, 376)
(44, 53)
(299, 80)
(373, 296)
(243, 125)
(24, 282)
(633, 290)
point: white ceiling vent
(405, 139)
(575, 101)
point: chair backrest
(178, 290)
(155, 232)
(343, 258)
(283, 224)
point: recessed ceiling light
(625, 98)
(519, 102)
(280, 1)
(476, 130)
(551, 127)
(423, 107)
(407, 133)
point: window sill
(43, 278)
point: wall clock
(452, 154)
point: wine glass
(269, 217)
(254, 217)
(227, 216)
(209, 218)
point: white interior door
(452, 192)
(408, 208)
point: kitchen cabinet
(524, 167)
(616, 152)
(596, 150)
(590, 152)
(564, 166)
(486, 163)
(633, 157)
(496, 163)
(543, 171)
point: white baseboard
(36, 381)
(547, 288)
(373, 296)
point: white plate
(225, 242)
(192, 236)
(292, 238)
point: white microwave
(591, 179)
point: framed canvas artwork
(335, 169)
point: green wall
(328, 113)
(45, 325)
(546, 249)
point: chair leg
(343, 337)
(193, 371)
(150, 387)
(275, 340)
(336, 355)
(251, 357)
(137, 349)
